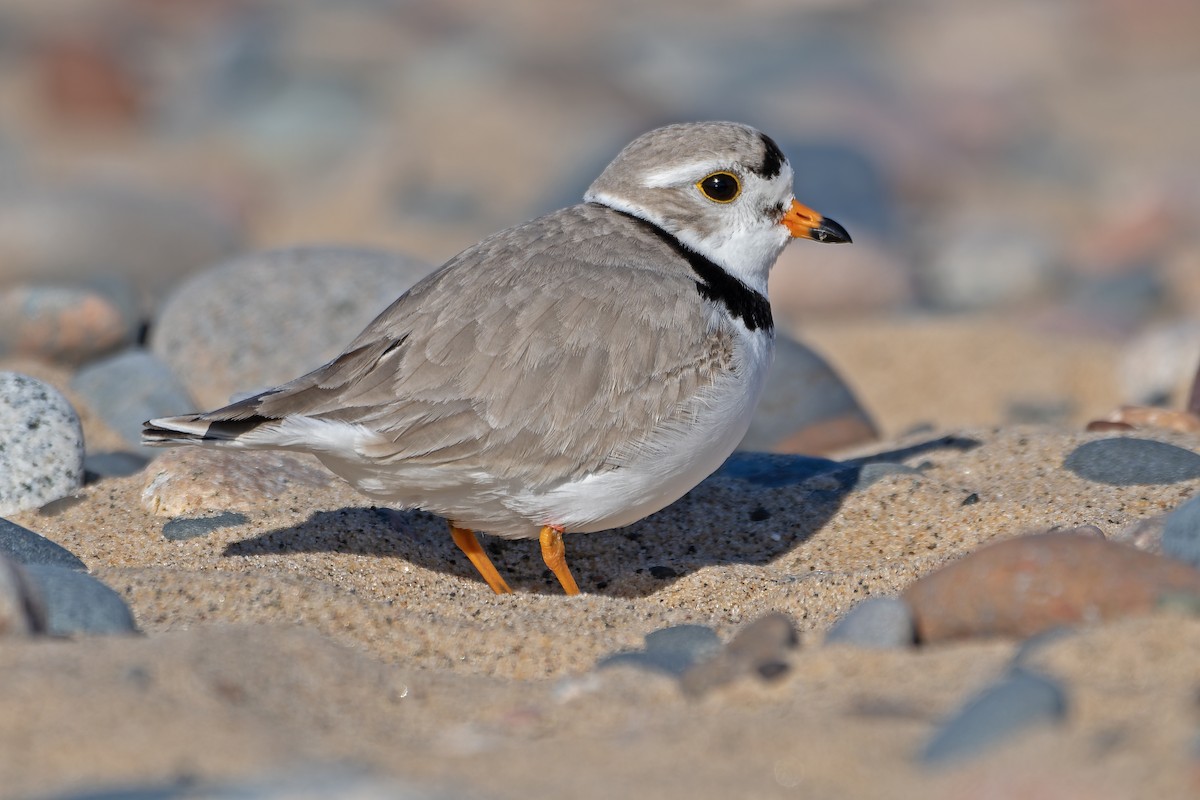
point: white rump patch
(343, 439)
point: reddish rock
(85, 79)
(70, 324)
(1134, 417)
(1030, 584)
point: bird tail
(304, 414)
(224, 427)
(199, 429)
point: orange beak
(804, 223)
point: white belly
(668, 467)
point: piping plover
(572, 374)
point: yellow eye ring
(720, 187)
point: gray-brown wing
(539, 354)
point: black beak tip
(831, 232)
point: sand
(323, 634)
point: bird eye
(720, 187)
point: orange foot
(555, 556)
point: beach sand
(325, 636)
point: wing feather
(528, 356)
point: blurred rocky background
(1022, 179)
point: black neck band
(715, 284)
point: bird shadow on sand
(753, 510)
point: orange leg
(466, 541)
(555, 556)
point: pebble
(86, 79)
(21, 611)
(265, 318)
(1033, 647)
(97, 466)
(980, 265)
(1029, 584)
(877, 622)
(1181, 533)
(862, 476)
(672, 650)
(1155, 363)
(41, 444)
(129, 388)
(77, 603)
(1128, 461)
(1128, 418)
(1016, 703)
(185, 481)
(303, 120)
(181, 528)
(760, 648)
(1117, 304)
(26, 547)
(336, 781)
(1145, 534)
(149, 238)
(806, 407)
(66, 324)
(773, 471)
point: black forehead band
(772, 161)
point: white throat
(745, 251)
(746, 254)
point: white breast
(678, 458)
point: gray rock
(1154, 361)
(877, 622)
(1181, 533)
(21, 611)
(1122, 302)
(980, 265)
(26, 547)
(77, 603)
(1033, 646)
(1127, 461)
(760, 648)
(41, 444)
(129, 388)
(149, 238)
(181, 528)
(268, 317)
(805, 400)
(771, 471)
(112, 465)
(316, 783)
(671, 650)
(1144, 534)
(303, 120)
(867, 474)
(1012, 705)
